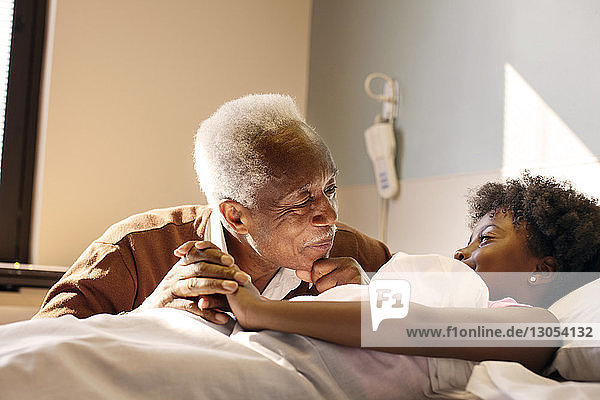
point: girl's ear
(544, 272)
(235, 215)
(547, 264)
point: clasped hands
(204, 277)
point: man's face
(496, 246)
(294, 222)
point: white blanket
(498, 380)
(167, 353)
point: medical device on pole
(381, 145)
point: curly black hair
(559, 221)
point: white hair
(225, 158)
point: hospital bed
(168, 353)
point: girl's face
(497, 246)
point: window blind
(6, 20)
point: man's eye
(331, 190)
(304, 203)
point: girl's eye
(484, 238)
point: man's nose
(326, 212)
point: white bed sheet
(167, 353)
(499, 380)
(159, 354)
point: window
(6, 17)
(23, 34)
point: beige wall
(127, 83)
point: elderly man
(270, 182)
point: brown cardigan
(120, 269)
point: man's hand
(199, 282)
(327, 273)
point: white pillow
(579, 359)
(437, 281)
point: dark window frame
(20, 128)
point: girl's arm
(340, 322)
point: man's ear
(235, 215)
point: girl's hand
(246, 303)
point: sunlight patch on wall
(537, 139)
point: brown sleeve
(99, 282)
(370, 253)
